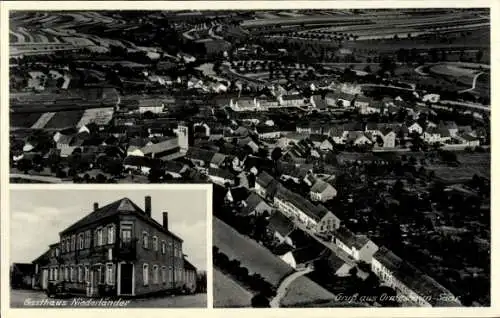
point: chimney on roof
(96, 206)
(147, 205)
(165, 220)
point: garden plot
(98, 116)
(43, 120)
(252, 255)
(228, 293)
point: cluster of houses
(293, 216)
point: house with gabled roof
(315, 217)
(281, 227)
(293, 100)
(304, 257)
(116, 250)
(255, 205)
(220, 176)
(322, 191)
(410, 282)
(318, 102)
(359, 247)
(200, 157)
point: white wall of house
(289, 259)
(366, 252)
(388, 279)
(415, 128)
(390, 140)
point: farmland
(253, 256)
(303, 290)
(228, 293)
(21, 120)
(64, 119)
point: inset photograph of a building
(108, 248)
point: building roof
(350, 239)
(140, 161)
(121, 206)
(252, 202)
(162, 146)
(293, 97)
(221, 173)
(414, 278)
(239, 193)
(200, 154)
(188, 265)
(23, 268)
(301, 203)
(218, 159)
(468, 137)
(44, 258)
(264, 179)
(319, 186)
(173, 166)
(319, 102)
(281, 224)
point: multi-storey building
(116, 250)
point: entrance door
(126, 278)
(45, 279)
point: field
(253, 256)
(303, 291)
(99, 116)
(18, 120)
(64, 119)
(228, 294)
(456, 174)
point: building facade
(116, 250)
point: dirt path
(283, 287)
(474, 81)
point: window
(63, 246)
(145, 237)
(80, 274)
(100, 276)
(87, 278)
(145, 274)
(56, 273)
(66, 273)
(80, 241)
(95, 237)
(156, 274)
(163, 247)
(175, 250)
(111, 234)
(73, 242)
(67, 244)
(99, 237)
(71, 274)
(109, 274)
(126, 235)
(155, 243)
(170, 274)
(164, 274)
(57, 251)
(88, 239)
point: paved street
(39, 299)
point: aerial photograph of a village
(348, 149)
